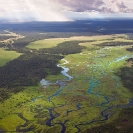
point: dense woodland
(130, 49)
(28, 70)
(126, 75)
(65, 48)
(115, 43)
(34, 36)
(124, 120)
(41, 30)
(31, 67)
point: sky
(64, 10)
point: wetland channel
(107, 110)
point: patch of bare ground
(129, 63)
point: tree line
(28, 70)
(126, 75)
(65, 48)
(31, 67)
(115, 43)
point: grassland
(47, 43)
(6, 56)
(52, 42)
(94, 96)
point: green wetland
(81, 84)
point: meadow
(95, 96)
(52, 42)
(6, 56)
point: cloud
(46, 10)
(114, 6)
(58, 10)
(42, 10)
(80, 6)
(103, 6)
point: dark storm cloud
(103, 6)
(81, 5)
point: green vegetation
(6, 56)
(47, 43)
(122, 124)
(125, 73)
(116, 43)
(28, 69)
(52, 42)
(130, 49)
(64, 48)
(93, 100)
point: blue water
(127, 105)
(91, 87)
(107, 101)
(103, 73)
(36, 98)
(48, 122)
(62, 83)
(78, 108)
(53, 116)
(64, 72)
(56, 94)
(106, 111)
(117, 80)
(93, 83)
(63, 126)
(121, 58)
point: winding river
(107, 109)
(62, 83)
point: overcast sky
(64, 10)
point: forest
(28, 70)
(34, 36)
(65, 48)
(31, 67)
(125, 75)
(130, 49)
(20, 78)
(115, 44)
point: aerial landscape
(66, 69)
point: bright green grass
(84, 68)
(87, 44)
(54, 78)
(47, 43)
(6, 56)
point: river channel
(107, 109)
